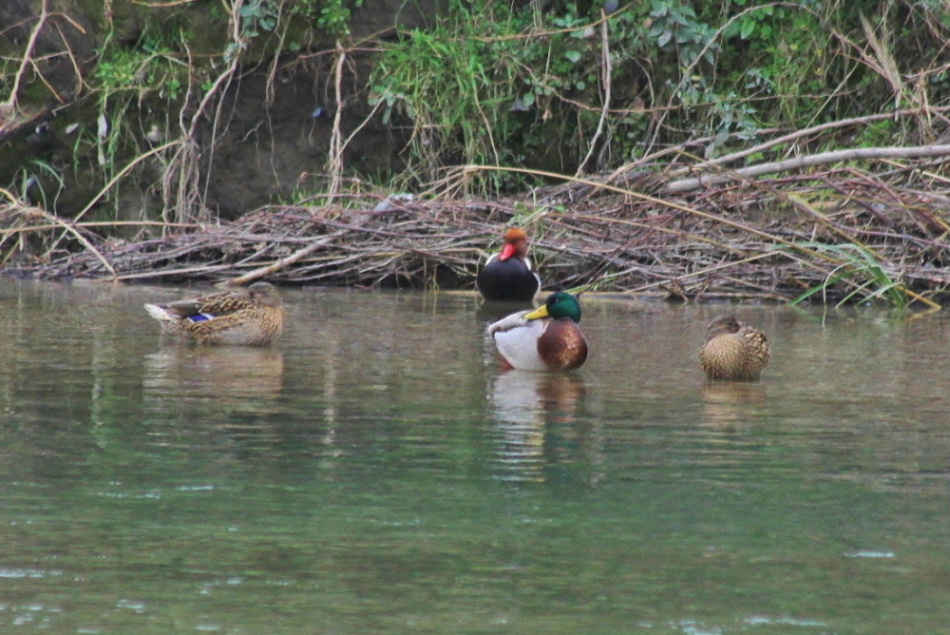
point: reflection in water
(226, 396)
(524, 404)
(229, 375)
(726, 403)
(725, 439)
(212, 384)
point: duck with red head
(507, 276)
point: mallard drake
(507, 276)
(733, 350)
(547, 338)
(243, 317)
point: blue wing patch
(200, 317)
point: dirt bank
(98, 89)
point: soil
(269, 139)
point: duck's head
(558, 305)
(516, 244)
(722, 325)
(265, 293)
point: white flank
(519, 344)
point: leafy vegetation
(561, 85)
(868, 275)
(504, 83)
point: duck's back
(260, 328)
(738, 356)
(508, 280)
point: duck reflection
(222, 397)
(227, 376)
(727, 404)
(524, 403)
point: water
(377, 472)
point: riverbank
(844, 235)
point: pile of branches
(840, 234)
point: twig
(335, 167)
(28, 54)
(606, 74)
(82, 239)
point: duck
(252, 316)
(733, 350)
(547, 338)
(507, 276)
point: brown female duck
(241, 317)
(733, 350)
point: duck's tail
(160, 313)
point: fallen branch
(795, 136)
(836, 156)
(294, 258)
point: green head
(558, 305)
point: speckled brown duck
(733, 350)
(252, 316)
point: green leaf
(574, 56)
(747, 28)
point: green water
(377, 472)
